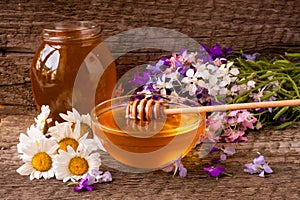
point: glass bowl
(147, 144)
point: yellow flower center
(68, 142)
(78, 165)
(41, 162)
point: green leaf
(281, 112)
(284, 125)
(295, 55)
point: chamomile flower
(67, 135)
(75, 164)
(31, 138)
(74, 116)
(38, 158)
(85, 126)
(42, 119)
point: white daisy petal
(49, 174)
(25, 169)
(34, 133)
(76, 132)
(76, 114)
(42, 118)
(23, 138)
(98, 143)
(67, 117)
(66, 179)
(30, 150)
(53, 148)
(37, 174)
(26, 158)
(50, 146)
(71, 150)
(31, 175)
(63, 153)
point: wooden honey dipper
(150, 109)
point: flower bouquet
(224, 77)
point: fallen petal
(229, 150)
(267, 168)
(262, 174)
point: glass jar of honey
(67, 49)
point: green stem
(295, 87)
(240, 97)
(227, 174)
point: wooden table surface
(280, 148)
(263, 26)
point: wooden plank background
(263, 26)
(270, 26)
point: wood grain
(248, 25)
(280, 148)
(270, 26)
(264, 26)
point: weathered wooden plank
(251, 25)
(269, 26)
(280, 148)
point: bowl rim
(94, 115)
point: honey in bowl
(146, 144)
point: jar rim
(70, 30)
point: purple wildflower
(155, 69)
(140, 80)
(223, 156)
(214, 149)
(85, 183)
(203, 54)
(182, 51)
(259, 165)
(281, 119)
(137, 96)
(215, 171)
(178, 64)
(182, 71)
(229, 150)
(237, 122)
(203, 97)
(101, 177)
(150, 88)
(173, 62)
(271, 99)
(96, 176)
(176, 165)
(250, 56)
(215, 160)
(166, 61)
(217, 52)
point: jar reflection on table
(66, 49)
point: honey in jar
(66, 51)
